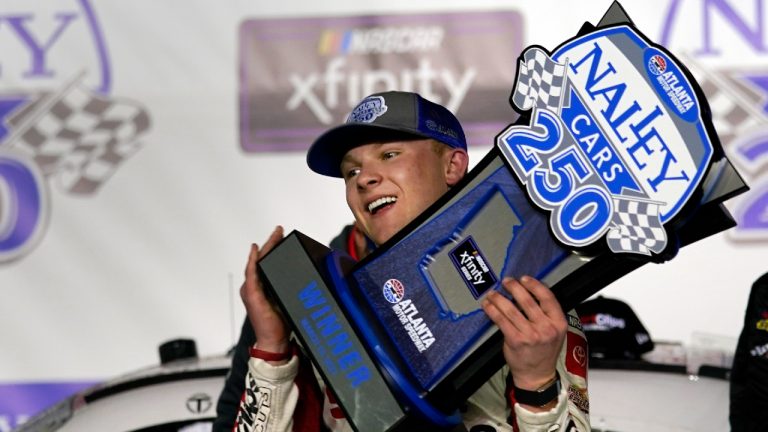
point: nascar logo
(393, 290)
(616, 144)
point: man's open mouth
(381, 203)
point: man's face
(389, 184)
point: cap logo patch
(432, 125)
(368, 110)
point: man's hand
(534, 329)
(271, 332)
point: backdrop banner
(145, 145)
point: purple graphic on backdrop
(745, 18)
(58, 123)
(755, 215)
(23, 205)
(25, 34)
(737, 91)
(761, 82)
(20, 401)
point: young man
(398, 153)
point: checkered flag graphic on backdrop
(636, 227)
(735, 108)
(540, 81)
(731, 118)
(78, 137)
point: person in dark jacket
(749, 375)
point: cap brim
(325, 155)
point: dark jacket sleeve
(749, 374)
(234, 385)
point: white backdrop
(158, 251)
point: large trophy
(613, 163)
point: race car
(177, 395)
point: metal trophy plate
(613, 163)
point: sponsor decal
(59, 122)
(615, 144)
(199, 403)
(575, 322)
(300, 76)
(393, 290)
(577, 354)
(441, 129)
(473, 267)
(602, 322)
(657, 64)
(579, 397)
(255, 406)
(762, 324)
(671, 84)
(408, 315)
(759, 351)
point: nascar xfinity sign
(615, 144)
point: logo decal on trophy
(471, 264)
(394, 291)
(615, 145)
(408, 314)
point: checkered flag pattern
(540, 81)
(636, 227)
(78, 137)
(734, 106)
(730, 118)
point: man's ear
(457, 162)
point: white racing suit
(287, 398)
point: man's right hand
(272, 333)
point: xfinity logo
(320, 92)
(473, 267)
(294, 84)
